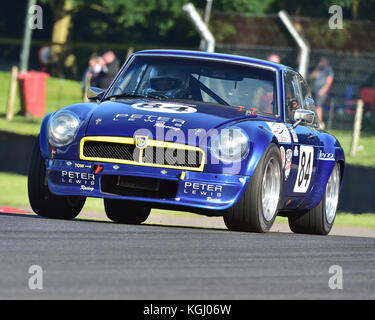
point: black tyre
(319, 220)
(42, 201)
(257, 210)
(127, 212)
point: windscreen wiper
(135, 95)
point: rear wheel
(257, 210)
(127, 212)
(42, 201)
(319, 220)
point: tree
(148, 19)
(63, 11)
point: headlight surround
(63, 128)
(231, 145)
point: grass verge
(366, 148)
(59, 93)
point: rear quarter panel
(329, 153)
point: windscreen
(214, 82)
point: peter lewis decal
(210, 191)
(156, 121)
(81, 178)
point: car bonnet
(130, 117)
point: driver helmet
(172, 83)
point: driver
(169, 83)
(263, 98)
(292, 104)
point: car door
(303, 163)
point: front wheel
(319, 220)
(42, 201)
(124, 211)
(257, 210)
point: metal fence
(352, 73)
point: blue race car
(214, 134)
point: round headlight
(63, 128)
(231, 145)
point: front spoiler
(195, 189)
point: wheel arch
(260, 139)
(43, 135)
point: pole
(25, 52)
(331, 113)
(201, 27)
(357, 127)
(302, 43)
(12, 93)
(207, 15)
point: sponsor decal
(295, 152)
(212, 191)
(165, 107)
(116, 167)
(294, 135)
(141, 142)
(157, 121)
(84, 188)
(305, 168)
(281, 132)
(81, 178)
(98, 121)
(326, 156)
(282, 152)
(288, 163)
(82, 165)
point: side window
(292, 96)
(306, 94)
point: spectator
(274, 58)
(323, 76)
(90, 75)
(110, 67)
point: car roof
(218, 56)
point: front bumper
(194, 189)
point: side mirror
(94, 93)
(302, 115)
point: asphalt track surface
(85, 259)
